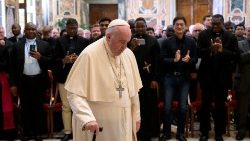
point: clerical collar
(30, 40)
(71, 37)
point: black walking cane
(94, 135)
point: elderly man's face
(118, 39)
(30, 31)
(196, 31)
(80, 33)
(55, 33)
(86, 34)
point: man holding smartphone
(30, 59)
(147, 51)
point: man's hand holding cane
(93, 127)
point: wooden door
(194, 10)
(96, 11)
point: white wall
(2, 13)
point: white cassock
(92, 93)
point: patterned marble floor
(189, 139)
(57, 136)
(195, 138)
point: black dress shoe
(25, 138)
(165, 137)
(240, 136)
(39, 139)
(219, 138)
(67, 137)
(203, 138)
(181, 138)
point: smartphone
(32, 48)
(141, 41)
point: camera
(141, 41)
(32, 48)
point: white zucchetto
(118, 22)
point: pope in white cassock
(103, 87)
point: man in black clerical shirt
(218, 49)
(147, 51)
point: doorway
(96, 11)
(193, 10)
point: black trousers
(150, 126)
(32, 94)
(213, 101)
(243, 109)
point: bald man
(196, 29)
(16, 30)
(29, 62)
(103, 87)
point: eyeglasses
(197, 30)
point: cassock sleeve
(136, 107)
(80, 108)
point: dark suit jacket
(244, 67)
(168, 51)
(216, 69)
(17, 60)
(148, 53)
(14, 40)
(4, 56)
(62, 47)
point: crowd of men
(172, 62)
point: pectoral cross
(120, 89)
(146, 66)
